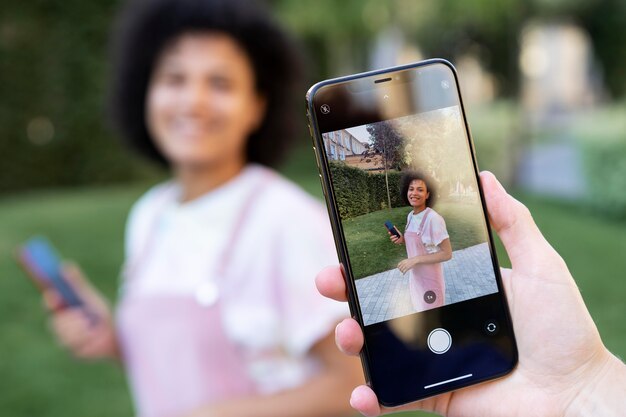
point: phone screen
(394, 148)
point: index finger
(330, 283)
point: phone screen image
(394, 150)
(430, 192)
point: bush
(600, 135)
(358, 192)
(53, 78)
(605, 165)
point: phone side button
(322, 185)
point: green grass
(40, 379)
(371, 251)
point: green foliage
(386, 141)
(359, 192)
(53, 70)
(497, 137)
(605, 165)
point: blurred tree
(386, 141)
(53, 73)
(53, 67)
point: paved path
(468, 274)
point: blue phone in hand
(43, 264)
(391, 228)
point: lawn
(371, 251)
(39, 379)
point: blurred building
(557, 66)
(342, 144)
(560, 81)
(477, 84)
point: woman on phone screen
(427, 243)
(218, 313)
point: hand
(395, 239)
(564, 369)
(407, 264)
(87, 331)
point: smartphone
(395, 144)
(391, 228)
(43, 265)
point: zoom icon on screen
(430, 297)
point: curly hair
(145, 27)
(408, 177)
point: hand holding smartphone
(82, 319)
(392, 229)
(43, 266)
(450, 328)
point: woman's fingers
(52, 301)
(349, 337)
(330, 283)
(364, 400)
(71, 327)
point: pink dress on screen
(426, 281)
(245, 330)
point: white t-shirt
(434, 231)
(284, 241)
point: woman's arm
(326, 394)
(445, 254)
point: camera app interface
(411, 213)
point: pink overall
(426, 284)
(177, 354)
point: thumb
(514, 224)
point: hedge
(605, 165)
(358, 192)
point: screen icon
(325, 108)
(491, 327)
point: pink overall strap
(228, 250)
(420, 229)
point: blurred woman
(218, 313)
(427, 243)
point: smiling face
(417, 194)
(202, 103)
